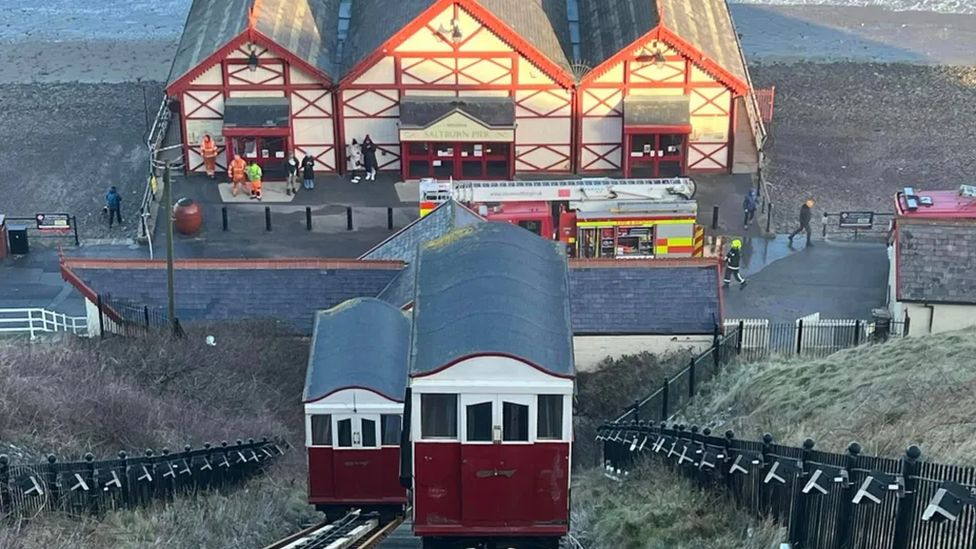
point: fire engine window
(531, 225)
(550, 422)
(322, 430)
(390, 425)
(438, 416)
(344, 433)
(369, 433)
(479, 422)
(515, 422)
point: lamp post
(170, 291)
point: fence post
(845, 509)
(348, 218)
(124, 479)
(101, 316)
(798, 522)
(5, 506)
(223, 218)
(717, 347)
(308, 218)
(637, 410)
(145, 315)
(738, 341)
(765, 491)
(799, 336)
(906, 326)
(691, 378)
(91, 496)
(727, 458)
(74, 226)
(857, 332)
(51, 479)
(715, 217)
(769, 216)
(664, 399)
(905, 514)
(267, 218)
(389, 218)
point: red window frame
(458, 159)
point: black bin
(18, 239)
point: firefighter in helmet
(733, 260)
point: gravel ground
(67, 143)
(851, 135)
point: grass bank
(909, 391)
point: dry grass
(655, 510)
(76, 396)
(909, 391)
(603, 393)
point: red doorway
(460, 160)
(655, 152)
(269, 148)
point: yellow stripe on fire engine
(634, 222)
(679, 241)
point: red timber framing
(309, 99)
(462, 69)
(712, 91)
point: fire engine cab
(594, 218)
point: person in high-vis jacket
(733, 260)
(209, 151)
(238, 174)
(254, 175)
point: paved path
(838, 280)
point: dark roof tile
(937, 261)
(210, 25)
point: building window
(344, 433)
(390, 426)
(321, 430)
(479, 422)
(515, 422)
(550, 421)
(438, 416)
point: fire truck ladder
(576, 190)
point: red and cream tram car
(353, 400)
(490, 391)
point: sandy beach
(868, 100)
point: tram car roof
(492, 289)
(360, 343)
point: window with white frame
(438, 416)
(478, 422)
(549, 424)
(390, 425)
(321, 428)
(515, 422)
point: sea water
(941, 6)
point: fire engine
(593, 217)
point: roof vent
(911, 200)
(573, 15)
(968, 191)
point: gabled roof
(936, 260)
(373, 22)
(654, 297)
(492, 289)
(609, 26)
(542, 23)
(210, 25)
(361, 343)
(707, 26)
(291, 291)
(306, 28)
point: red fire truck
(595, 218)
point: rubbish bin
(882, 324)
(18, 239)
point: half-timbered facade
(255, 76)
(471, 89)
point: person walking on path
(113, 201)
(749, 204)
(806, 212)
(733, 260)
(355, 160)
(369, 158)
(308, 172)
(209, 151)
(238, 174)
(254, 175)
(291, 187)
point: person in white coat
(355, 159)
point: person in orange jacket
(238, 173)
(209, 150)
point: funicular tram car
(490, 391)
(353, 401)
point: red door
(460, 160)
(656, 154)
(270, 152)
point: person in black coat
(308, 172)
(733, 262)
(369, 158)
(806, 213)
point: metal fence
(823, 500)
(756, 339)
(33, 321)
(124, 318)
(89, 486)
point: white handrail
(36, 320)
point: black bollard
(223, 217)
(348, 218)
(715, 217)
(389, 218)
(267, 217)
(769, 216)
(308, 218)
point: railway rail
(356, 530)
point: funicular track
(356, 530)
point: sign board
(457, 127)
(53, 221)
(856, 220)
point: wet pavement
(836, 279)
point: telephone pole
(168, 204)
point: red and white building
(472, 89)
